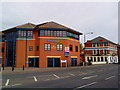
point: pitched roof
(23, 26)
(100, 39)
(27, 25)
(54, 25)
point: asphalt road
(95, 76)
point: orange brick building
(45, 45)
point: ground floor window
(33, 62)
(73, 61)
(53, 62)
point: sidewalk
(8, 70)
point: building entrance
(73, 61)
(33, 62)
(54, 62)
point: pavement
(95, 76)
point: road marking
(16, 84)
(47, 80)
(35, 78)
(56, 76)
(82, 73)
(72, 74)
(85, 85)
(109, 77)
(7, 82)
(90, 77)
(65, 77)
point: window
(94, 59)
(41, 32)
(64, 34)
(106, 59)
(37, 48)
(47, 47)
(59, 47)
(101, 59)
(71, 48)
(46, 33)
(98, 59)
(76, 48)
(30, 48)
(105, 51)
(94, 51)
(105, 44)
(97, 44)
(98, 51)
(93, 44)
(2, 49)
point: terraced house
(100, 51)
(45, 45)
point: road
(95, 76)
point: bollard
(23, 67)
(12, 68)
(3, 66)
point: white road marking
(109, 77)
(65, 77)
(35, 78)
(7, 82)
(16, 84)
(47, 80)
(86, 85)
(90, 77)
(82, 73)
(56, 76)
(72, 74)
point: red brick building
(45, 45)
(100, 51)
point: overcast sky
(101, 18)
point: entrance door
(33, 62)
(53, 62)
(73, 61)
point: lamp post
(85, 35)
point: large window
(57, 34)
(47, 47)
(71, 47)
(25, 34)
(59, 47)
(76, 48)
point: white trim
(33, 56)
(73, 56)
(53, 56)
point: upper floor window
(37, 48)
(97, 44)
(71, 48)
(76, 48)
(93, 44)
(2, 49)
(47, 47)
(57, 33)
(25, 34)
(105, 44)
(105, 51)
(30, 48)
(59, 47)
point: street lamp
(85, 34)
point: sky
(101, 18)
